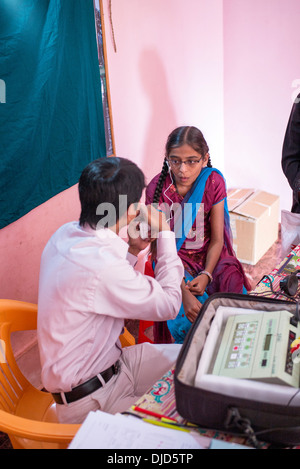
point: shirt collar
(108, 235)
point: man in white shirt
(88, 286)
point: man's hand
(156, 219)
(136, 243)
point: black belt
(86, 388)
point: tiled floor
(29, 362)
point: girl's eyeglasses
(177, 163)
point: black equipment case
(208, 409)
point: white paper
(106, 431)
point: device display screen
(267, 342)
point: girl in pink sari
(190, 187)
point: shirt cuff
(166, 234)
(166, 242)
(132, 259)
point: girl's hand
(191, 305)
(198, 285)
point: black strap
(86, 388)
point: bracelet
(208, 275)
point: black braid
(156, 197)
(160, 183)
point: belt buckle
(117, 367)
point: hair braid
(156, 197)
(160, 182)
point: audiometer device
(257, 346)
(248, 351)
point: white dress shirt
(88, 286)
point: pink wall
(168, 71)
(261, 63)
(22, 243)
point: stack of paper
(106, 431)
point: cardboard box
(254, 219)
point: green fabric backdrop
(51, 125)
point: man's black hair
(103, 181)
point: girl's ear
(167, 163)
(205, 159)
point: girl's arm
(190, 303)
(198, 285)
(217, 236)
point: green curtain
(51, 123)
